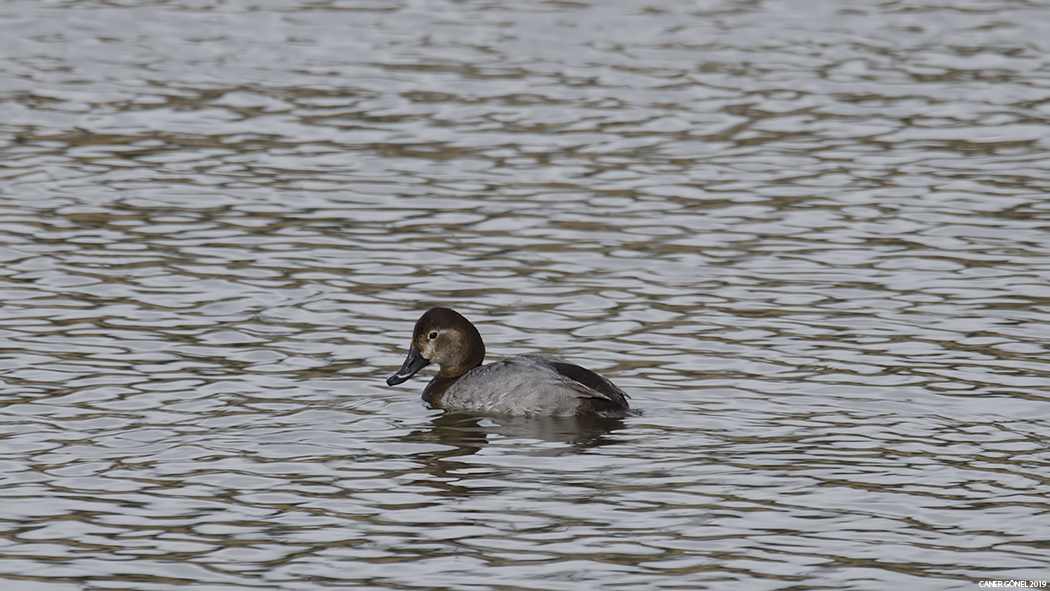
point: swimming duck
(532, 384)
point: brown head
(442, 336)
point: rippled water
(812, 240)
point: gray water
(811, 239)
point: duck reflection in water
(463, 435)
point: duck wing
(596, 385)
(599, 395)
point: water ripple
(811, 240)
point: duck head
(442, 336)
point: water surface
(810, 239)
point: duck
(530, 384)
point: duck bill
(413, 363)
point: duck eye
(433, 335)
